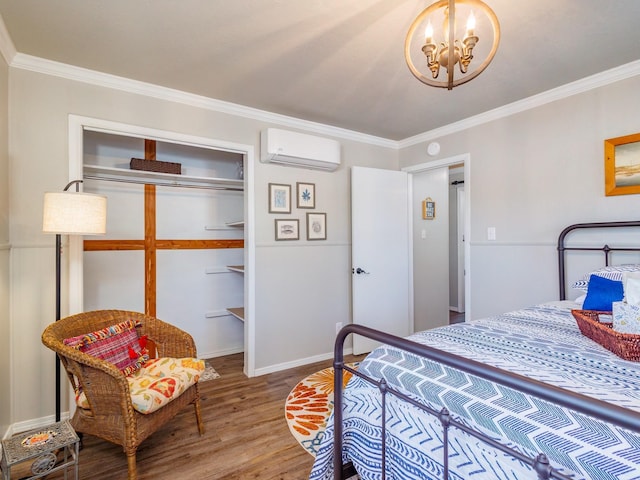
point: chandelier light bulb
(428, 33)
(471, 24)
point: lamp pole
(58, 302)
(58, 272)
(69, 213)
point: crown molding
(7, 49)
(70, 72)
(579, 86)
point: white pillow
(612, 272)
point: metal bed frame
(539, 464)
(606, 249)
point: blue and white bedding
(541, 342)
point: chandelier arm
(495, 25)
(431, 53)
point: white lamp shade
(74, 213)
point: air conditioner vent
(300, 150)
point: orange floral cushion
(159, 381)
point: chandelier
(428, 54)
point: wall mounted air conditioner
(295, 149)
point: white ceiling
(337, 62)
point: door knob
(359, 271)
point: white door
(380, 246)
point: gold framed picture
(428, 209)
(622, 165)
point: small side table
(41, 445)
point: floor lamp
(71, 213)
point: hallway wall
(430, 250)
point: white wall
(533, 173)
(5, 332)
(309, 282)
(302, 287)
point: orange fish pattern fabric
(309, 405)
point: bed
(516, 396)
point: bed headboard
(606, 249)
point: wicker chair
(111, 415)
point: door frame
(465, 160)
(79, 124)
(461, 242)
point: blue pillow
(601, 293)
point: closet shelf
(97, 172)
(235, 226)
(236, 268)
(237, 312)
(238, 224)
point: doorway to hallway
(441, 245)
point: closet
(174, 246)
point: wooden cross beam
(150, 244)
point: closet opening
(177, 243)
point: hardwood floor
(455, 317)
(246, 435)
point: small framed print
(316, 226)
(279, 198)
(306, 193)
(428, 209)
(287, 229)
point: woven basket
(625, 345)
(155, 166)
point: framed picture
(279, 198)
(306, 193)
(428, 209)
(287, 229)
(316, 226)
(622, 165)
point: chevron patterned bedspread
(541, 342)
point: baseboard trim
(298, 363)
(220, 353)
(32, 424)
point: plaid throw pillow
(118, 344)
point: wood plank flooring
(246, 434)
